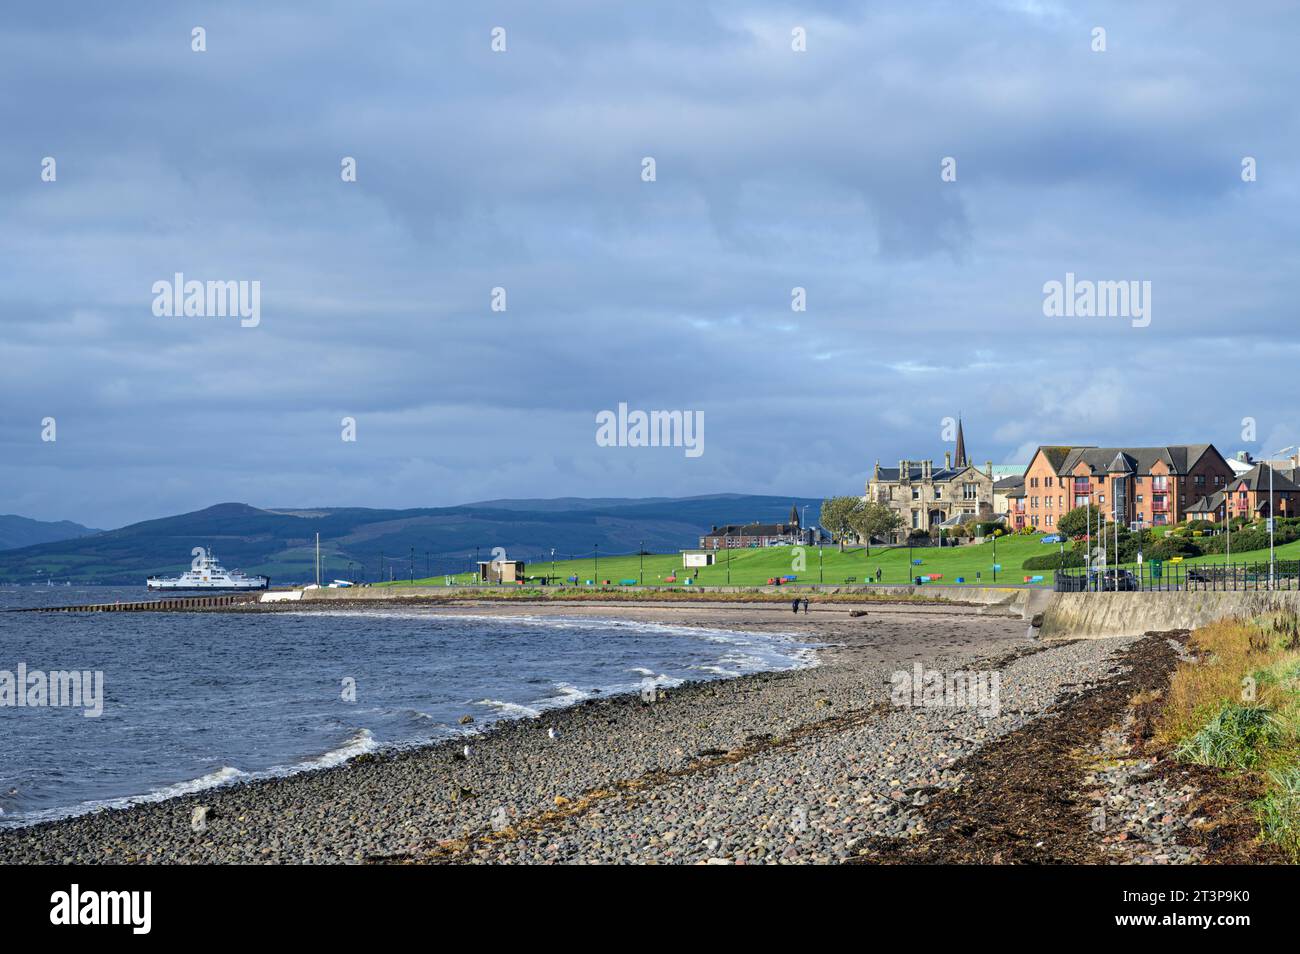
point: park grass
(754, 567)
(1237, 709)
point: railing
(1158, 575)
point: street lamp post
(995, 556)
(641, 555)
(552, 561)
(596, 551)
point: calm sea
(196, 700)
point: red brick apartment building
(1150, 486)
(1247, 495)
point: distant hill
(23, 532)
(280, 542)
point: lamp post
(412, 564)
(995, 556)
(552, 561)
(641, 555)
(596, 551)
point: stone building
(741, 535)
(931, 498)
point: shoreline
(412, 803)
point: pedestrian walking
(805, 606)
(794, 606)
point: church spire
(794, 515)
(961, 447)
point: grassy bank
(971, 565)
(1237, 709)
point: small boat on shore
(207, 574)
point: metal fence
(1158, 575)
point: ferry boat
(207, 574)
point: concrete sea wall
(1089, 615)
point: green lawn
(755, 567)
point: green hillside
(365, 544)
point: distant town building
(695, 558)
(1144, 486)
(736, 535)
(928, 498)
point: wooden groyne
(181, 604)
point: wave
(361, 741)
(511, 710)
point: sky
(523, 169)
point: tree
(837, 517)
(1075, 522)
(874, 518)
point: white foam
(361, 742)
(511, 710)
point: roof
(890, 474)
(1179, 458)
(752, 530)
(1010, 483)
(1209, 504)
(1258, 476)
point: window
(970, 491)
(916, 493)
(1101, 498)
(1200, 480)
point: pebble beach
(815, 765)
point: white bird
(466, 751)
(552, 734)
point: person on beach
(877, 574)
(794, 606)
(805, 606)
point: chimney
(876, 473)
(902, 470)
(947, 460)
(988, 469)
(925, 469)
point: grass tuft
(1236, 737)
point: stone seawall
(1091, 615)
(981, 595)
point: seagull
(552, 734)
(466, 751)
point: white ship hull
(255, 583)
(207, 574)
